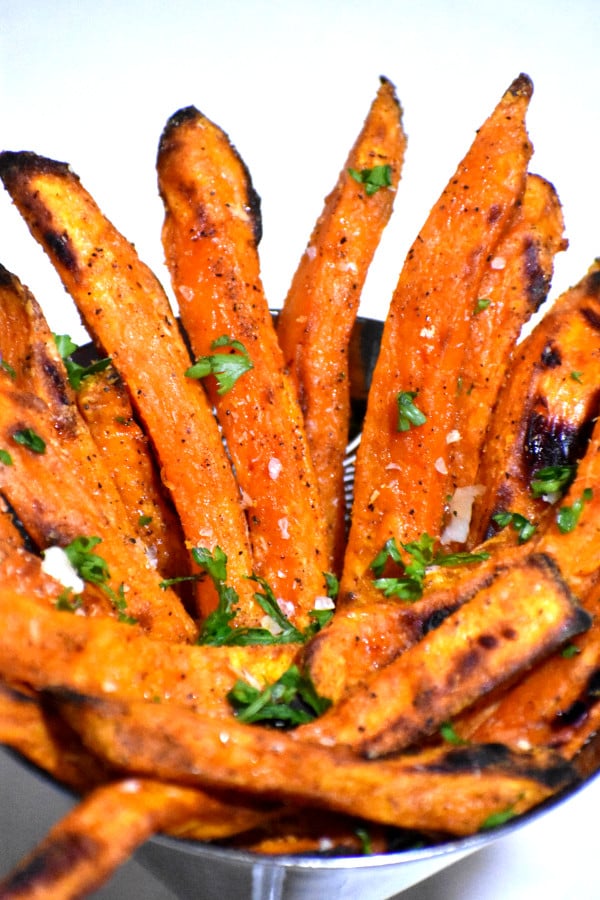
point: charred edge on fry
(50, 863)
(189, 115)
(552, 443)
(538, 282)
(578, 711)
(553, 772)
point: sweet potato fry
(521, 616)
(552, 383)
(449, 790)
(39, 734)
(210, 236)
(398, 489)
(129, 317)
(514, 286)
(44, 647)
(61, 492)
(104, 404)
(82, 850)
(318, 313)
(556, 704)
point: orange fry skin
(399, 490)
(210, 235)
(129, 317)
(320, 308)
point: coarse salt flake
(428, 332)
(274, 468)
(284, 525)
(460, 509)
(57, 565)
(453, 436)
(324, 603)
(498, 262)
(440, 466)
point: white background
(94, 83)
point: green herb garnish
(567, 517)
(499, 818)
(6, 458)
(76, 372)
(552, 480)
(94, 569)
(576, 376)
(448, 733)
(373, 179)
(481, 304)
(570, 651)
(289, 701)
(27, 437)
(409, 586)
(409, 415)
(226, 367)
(524, 528)
(8, 369)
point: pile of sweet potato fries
(198, 634)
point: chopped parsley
(570, 651)
(217, 628)
(498, 818)
(27, 437)
(449, 734)
(226, 367)
(552, 480)
(373, 179)
(94, 569)
(6, 367)
(524, 527)
(480, 304)
(567, 517)
(291, 700)
(422, 556)
(577, 376)
(76, 372)
(409, 415)
(6, 458)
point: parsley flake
(27, 437)
(6, 458)
(76, 372)
(567, 517)
(524, 528)
(409, 415)
(409, 586)
(480, 304)
(6, 367)
(289, 701)
(552, 480)
(226, 367)
(373, 179)
(94, 569)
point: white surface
(93, 84)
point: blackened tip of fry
(48, 864)
(190, 114)
(522, 86)
(23, 163)
(547, 768)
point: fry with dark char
(320, 308)
(513, 287)
(45, 647)
(88, 844)
(398, 489)
(522, 615)
(210, 235)
(62, 492)
(129, 317)
(440, 789)
(546, 407)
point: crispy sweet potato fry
(556, 704)
(514, 286)
(521, 616)
(552, 383)
(320, 308)
(440, 789)
(398, 489)
(62, 492)
(82, 850)
(105, 406)
(45, 647)
(210, 235)
(39, 734)
(129, 317)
